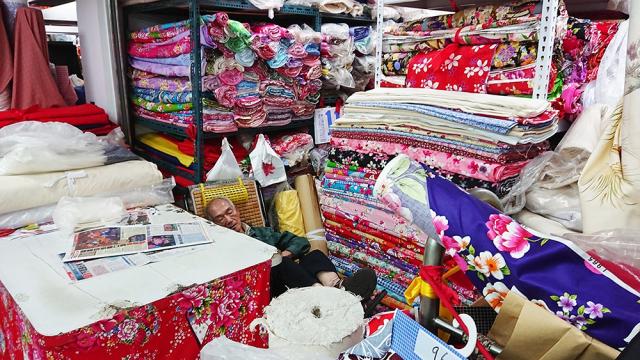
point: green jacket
(297, 245)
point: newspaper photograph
(124, 240)
(86, 269)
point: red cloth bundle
(87, 117)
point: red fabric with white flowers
(454, 68)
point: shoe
(370, 306)
(362, 283)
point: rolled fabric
(318, 319)
(287, 205)
(29, 191)
(309, 204)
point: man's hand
(287, 253)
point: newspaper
(124, 240)
(86, 269)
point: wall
(98, 60)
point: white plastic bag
(32, 147)
(222, 348)
(268, 168)
(226, 168)
(74, 212)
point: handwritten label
(428, 347)
(323, 119)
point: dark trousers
(290, 274)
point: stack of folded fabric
(87, 117)
(337, 56)
(180, 153)
(486, 49)
(160, 66)
(474, 140)
(582, 49)
(347, 7)
(266, 75)
(364, 62)
(493, 49)
(361, 231)
(253, 75)
(308, 90)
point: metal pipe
(429, 308)
(459, 335)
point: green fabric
(160, 107)
(297, 245)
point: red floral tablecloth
(160, 330)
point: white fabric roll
(319, 322)
(28, 191)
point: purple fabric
(184, 59)
(548, 270)
(160, 69)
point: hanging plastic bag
(268, 168)
(226, 168)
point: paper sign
(428, 346)
(199, 325)
(413, 342)
(323, 120)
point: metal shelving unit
(351, 20)
(546, 35)
(545, 44)
(241, 9)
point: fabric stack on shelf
(160, 66)
(266, 75)
(180, 153)
(475, 140)
(253, 75)
(582, 50)
(348, 59)
(364, 62)
(493, 49)
(337, 56)
(361, 231)
(338, 7)
(487, 49)
(87, 117)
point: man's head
(224, 213)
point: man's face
(225, 214)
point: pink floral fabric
(177, 45)
(463, 165)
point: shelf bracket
(379, 36)
(546, 39)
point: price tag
(323, 120)
(430, 347)
(413, 342)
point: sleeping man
(312, 269)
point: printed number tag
(323, 120)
